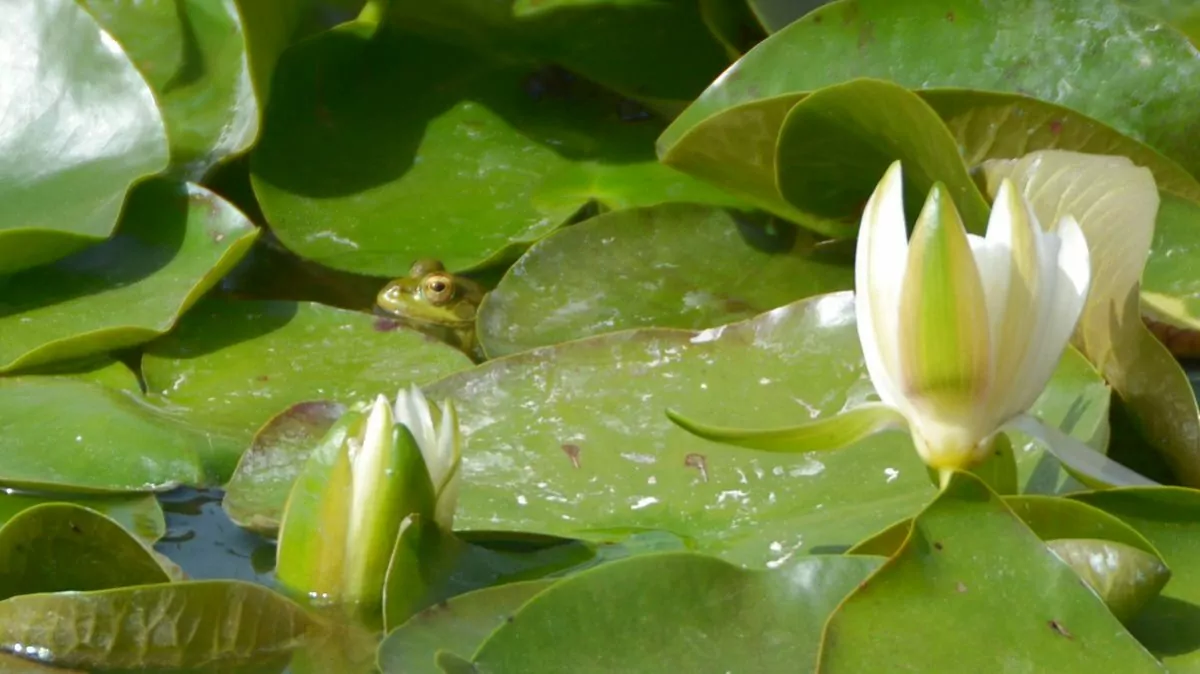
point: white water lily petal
(412, 410)
(880, 261)
(368, 455)
(449, 462)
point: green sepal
(820, 435)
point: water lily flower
(960, 333)
(377, 466)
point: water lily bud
(961, 333)
(440, 440)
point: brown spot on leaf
(866, 34)
(699, 462)
(385, 324)
(75, 528)
(572, 452)
(950, 17)
(262, 377)
(937, 545)
(1058, 627)
(818, 19)
(1056, 126)
(509, 619)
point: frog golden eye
(438, 288)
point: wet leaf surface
(230, 366)
(67, 81)
(139, 515)
(676, 265)
(174, 243)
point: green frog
(436, 302)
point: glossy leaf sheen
(987, 574)
(571, 439)
(205, 626)
(1056, 53)
(231, 366)
(174, 243)
(76, 118)
(59, 433)
(255, 495)
(732, 616)
(60, 547)
(1170, 518)
(837, 142)
(141, 515)
(362, 133)
(192, 53)
(672, 266)
(1125, 578)
(459, 625)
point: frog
(435, 302)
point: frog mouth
(420, 322)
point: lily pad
(1170, 285)
(987, 574)
(230, 366)
(174, 243)
(459, 625)
(1060, 54)
(365, 127)
(202, 626)
(192, 53)
(76, 118)
(259, 488)
(59, 547)
(675, 265)
(1170, 518)
(139, 515)
(731, 616)
(572, 440)
(59, 433)
(645, 49)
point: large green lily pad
(379, 149)
(230, 366)
(1060, 54)
(572, 440)
(203, 626)
(973, 589)
(59, 547)
(140, 515)
(77, 119)
(59, 433)
(174, 243)
(1170, 518)
(675, 265)
(661, 52)
(1170, 284)
(192, 53)
(730, 616)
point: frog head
(432, 296)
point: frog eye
(438, 288)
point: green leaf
(64, 434)
(837, 142)
(674, 265)
(732, 615)
(1054, 518)
(459, 625)
(59, 547)
(17, 665)
(1060, 54)
(1170, 286)
(1170, 518)
(969, 556)
(1089, 467)
(255, 495)
(542, 429)
(1125, 578)
(230, 366)
(192, 53)
(174, 243)
(644, 49)
(204, 626)
(827, 434)
(1113, 200)
(774, 15)
(364, 128)
(140, 515)
(268, 27)
(76, 119)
